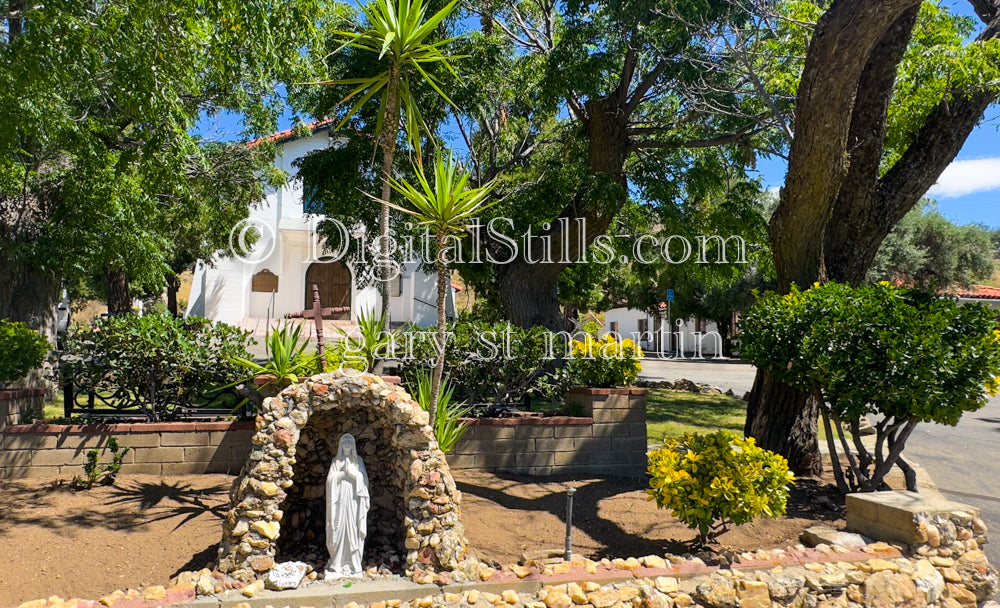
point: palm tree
(444, 208)
(397, 31)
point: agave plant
(370, 343)
(287, 359)
(447, 423)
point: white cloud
(967, 177)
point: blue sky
(967, 192)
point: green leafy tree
(23, 350)
(443, 207)
(99, 153)
(401, 35)
(926, 250)
(583, 111)
(903, 355)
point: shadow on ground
(612, 518)
(129, 504)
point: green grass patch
(673, 413)
(54, 409)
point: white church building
(288, 258)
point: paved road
(964, 461)
(722, 373)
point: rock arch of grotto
(277, 504)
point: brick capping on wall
(21, 393)
(125, 428)
(530, 421)
(584, 390)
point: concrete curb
(322, 595)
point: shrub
(711, 481)
(591, 327)
(904, 355)
(155, 363)
(22, 349)
(605, 362)
(94, 474)
(367, 346)
(490, 363)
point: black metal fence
(105, 398)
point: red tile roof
(288, 134)
(980, 292)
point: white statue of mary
(347, 502)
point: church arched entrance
(334, 281)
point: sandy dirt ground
(145, 529)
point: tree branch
(842, 43)
(708, 142)
(986, 9)
(644, 85)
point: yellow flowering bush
(710, 481)
(605, 362)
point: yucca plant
(447, 423)
(444, 208)
(397, 31)
(371, 342)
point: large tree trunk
(30, 296)
(725, 326)
(781, 418)
(784, 420)
(119, 297)
(529, 296)
(173, 284)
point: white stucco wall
(287, 247)
(683, 333)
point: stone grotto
(277, 504)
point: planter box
(20, 406)
(608, 440)
(610, 405)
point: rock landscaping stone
(717, 591)
(887, 589)
(154, 594)
(929, 580)
(816, 535)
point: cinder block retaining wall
(609, 439)
(175, 448)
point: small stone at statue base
(287, 575)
